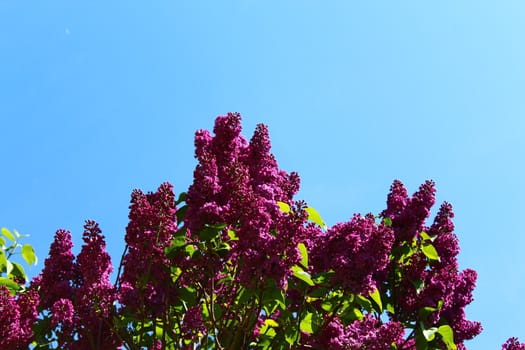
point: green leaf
(302, 275)
(376, 297)
(178, 242)
(447, 334)
(245, 296)
(10, 284)
(419, 285)
(430, 251)
(314, 216)
(268, 331)
(2, 243)
(306, 323)
(284, 207)
(8, 267)
(430, 333)
(274, 297)
(317, 293)
(271, 323)
(304, 255)
(232, 235)
(310, 321)
(291, 335)
(425, 236)
(28, 253)
(209, 232)
(387, 221)
(323, 277)
(425, 311)
(3, 262)
(390, 308)
(364, 302)
(421, 342)
(8, 234)
(190, 249)
(327, 305)
(182, 198)
(18, 271)
(357, 314)
(181, 213)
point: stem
(243, 327)
(212, 307)
(407, 339)
(120, 267)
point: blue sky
(100, 97)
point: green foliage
(12, 273)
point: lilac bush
(238, 263)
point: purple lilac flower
(513, 344)
(440, 282)
(354, 251)
(368, 333)
(408, 215)
(62, 313)
(332, 336)
(192, 323)
(238, 183)
(95, 296)
(372, 335)
(17, 315)
(146, 281)
(157, 345)
(445, 241)
(454, 313)
(59, 273)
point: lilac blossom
(513, 344)
(62, 313)
(60, 272)
(95, 296)
(238, 183)
(78, 295)
(354, 251)
(440, 284)
(146, 282)
(17, 315)
(369, 334)
(408, 215)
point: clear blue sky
(100, 97)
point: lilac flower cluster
(78, 295)
(368, 334)
(56, 280)
(238, 182)
(513, 344)
(17, 315)
(355, 251)
(434, 284)
(408, 215)
(192, 324)
(240, 271)
(145, 283)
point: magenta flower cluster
(145, 283)
(76, 293)
(355, 251)
(17, 315)
(238, 263)
(441, 286)
(368, 333)
(239, 183)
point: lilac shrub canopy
(238, 263)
